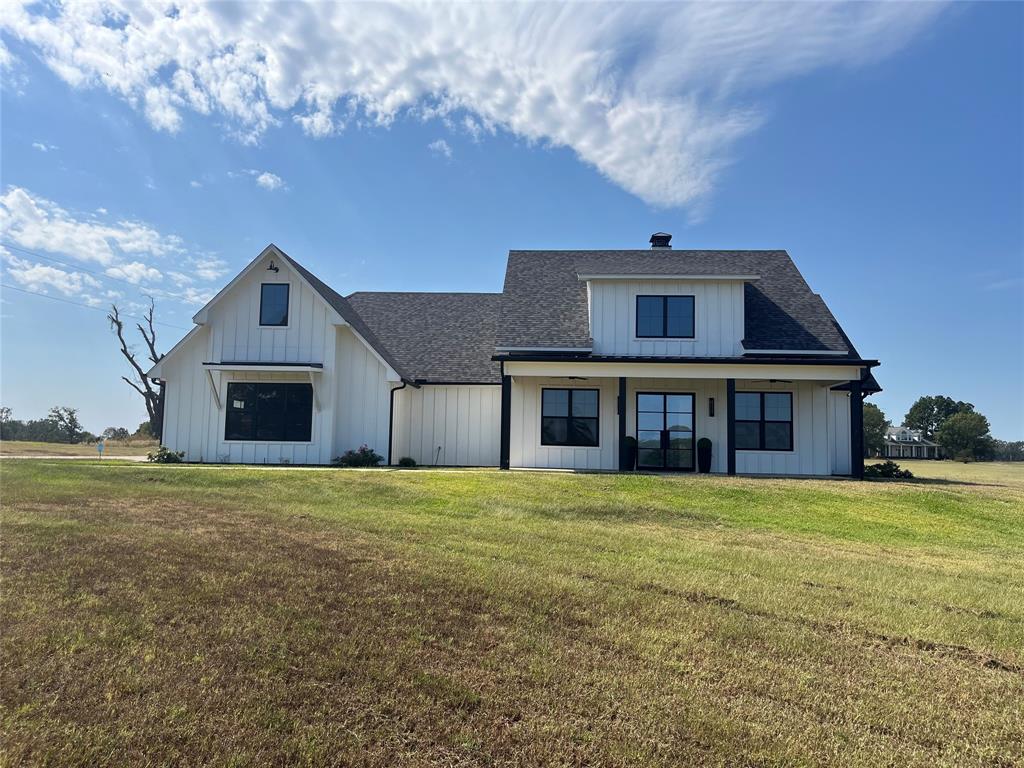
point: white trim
(154, 372)
(639, 276)
(810, 352)
(256, 368)
(544, 349)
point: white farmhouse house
(581, 351)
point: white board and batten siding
(811, 454)
(363, 392)
(839, 432)
(820, 425)
(717, 309)
(525, 449)
(448, 425)
(352, 391)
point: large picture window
(269, 412)
(274, 304)
(664, 317)
(764, 421)
(569, 417)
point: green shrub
(166, 456)
(407, 461)
(889, 470)
(363, 457)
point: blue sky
(882, 146)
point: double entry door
(665, 431)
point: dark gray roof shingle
(436, 336)
(545, 304)
(343, 308)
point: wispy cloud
(265, 179)
(1005, 283)
(195, 184)
(652, 95)
(440, 148)
(42, 146)
(41, 232)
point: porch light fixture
(711, 407)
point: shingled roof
(438, 337)
(544, 304)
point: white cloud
(651, 95)
(122, 248)
(195, 184)
(440, 148)
(134, 272)
(34, 222)
(43, 146)
(208, 267)
(43, 278)
(269, 181)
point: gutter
(391, 419)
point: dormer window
(274, 304)
(664, 317)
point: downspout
(391, 418)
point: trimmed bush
(888, 470)
(165, 456)
(363, 457)
(407, 461)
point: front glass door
(664, 431)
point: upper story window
(764, 421)
(569, 417)
(664, 317)
(274, 304)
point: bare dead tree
(152, 393)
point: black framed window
(664, 317)
(269, 412)
(569, 417)
(274, 304)
(764, 421)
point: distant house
(906, 443)
(583, 356)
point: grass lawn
(112, 448)
(237, 616)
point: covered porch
(798, 419)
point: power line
(7, 287)
(104, 275)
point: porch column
(730, 425)
(623, 452)
(506, 420)
(856, 430)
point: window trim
(762, 421)
(664, 314)
(254, 441)
(287, 311)
(569, 417)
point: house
(579, 352)
(906, 443)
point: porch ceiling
(795, 372)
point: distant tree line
(963, 433)
(61, 425)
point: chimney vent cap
(661, 240)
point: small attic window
(274, 304)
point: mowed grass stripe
(246, 617)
